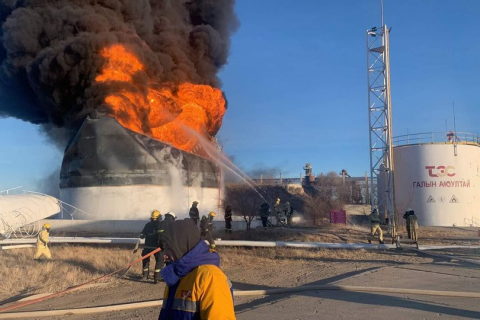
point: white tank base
(137, 201)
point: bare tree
(328, 193)
(244, 201)
(315, 207)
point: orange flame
(174, 114)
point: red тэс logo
(440, 171)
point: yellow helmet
(46, 226)
(211, 213)
(155, 214)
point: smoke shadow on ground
(275, 298)
(390, 301)
(86, 266)
(355, 297)
(23, 294)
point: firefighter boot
(156, 277)
(145, 274)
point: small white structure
(439, 180)
(19, 213)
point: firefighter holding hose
(206, 228)
(42, 243)
(150, 233)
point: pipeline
(18, 246)
(57, 294)
(238, 243)
(158, 303)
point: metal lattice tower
(380, 120)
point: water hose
(135, 249)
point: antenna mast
(380, 120)
(455, 142)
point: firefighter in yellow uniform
(42, 243)
(375, 227)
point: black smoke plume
(49, 52)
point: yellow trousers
(42, 251)
(374, 228)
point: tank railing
(437, 137)
(9, 190)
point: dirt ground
(246, 268)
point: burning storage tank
(438, 176)
(152, 67)
(114, 173)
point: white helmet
(172, 214)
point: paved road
(349, 305)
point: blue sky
(297, 91)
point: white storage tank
(439, 180)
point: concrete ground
(354, 305)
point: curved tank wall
(441, 187)
(137, 201)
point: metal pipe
(19, 246)
(236, 243)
